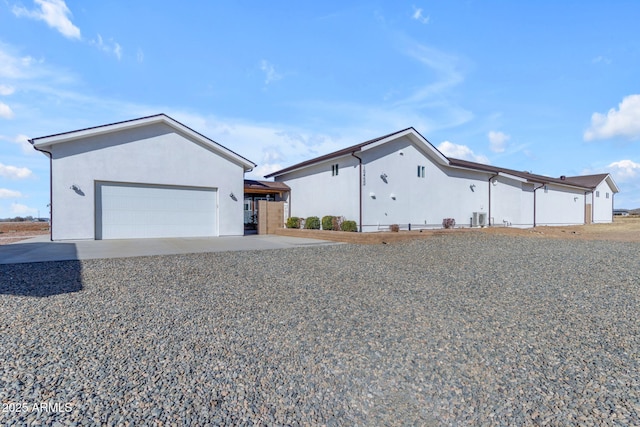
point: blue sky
(545, 86)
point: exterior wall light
(373, 195)
(383, 176)
(472, 187)
(233, 196)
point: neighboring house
(148, 177)
(401, 178)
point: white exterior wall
(511, 202)
(559, 206)
(152, 154)
(421, 202)
(315, 192)
(602, 206)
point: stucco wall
(153, 154)
(603, 205)
(422, 202)
(559, 206)
(316, 192)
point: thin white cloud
(624, 170)
(601, 59)
(418, 16)
(140, 56)
(110, 46)
(20, 209)
(463, 152)
(55, 13)
(22, 141)
(498, 141)
(446, 68)
(270, 72)
(6, 90)
(13, 172)
(12, 66)
(623, 122)
(9, 194)
(5, 111)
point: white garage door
(129, 211)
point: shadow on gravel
(41, 279)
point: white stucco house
(143, 178)
(401, 178)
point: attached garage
(130, 211)
(151, 177)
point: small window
(420, 171)
(597, 194)
(607, 194)
(334, 170)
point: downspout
(490, 198)
(534, 203)
(50, 187)
(593, 206)
(359, 189)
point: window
(334, 170)
(607, 194)
(597, 194)
(420, 171)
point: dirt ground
(623, 229)
(15, 231)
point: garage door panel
(125, 211)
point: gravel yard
(465, 329)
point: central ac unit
(479, 219)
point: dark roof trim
(339, 153)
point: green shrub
(293, 222)
(327, 222)
(349, 226)
(312, 223)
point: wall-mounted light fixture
(373, 195)
(383, 176)
(575, 199)
(393, 196)
(233, 196)
(472, 187)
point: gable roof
(586, 182)
(529, 177)
(592, 181)
(413, 134)
(48, 141)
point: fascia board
(612, 184)
(417, 140)
(48, 141)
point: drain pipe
(359, 189)
(490, 198)
(48, 153)
(534, 202)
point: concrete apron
(40, 249)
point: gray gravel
(450, 330)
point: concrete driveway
(41, 249)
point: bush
(395, 228)
(349, 226)
(327, 222)
(293, 222)
(448, 223)
(312, 223)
